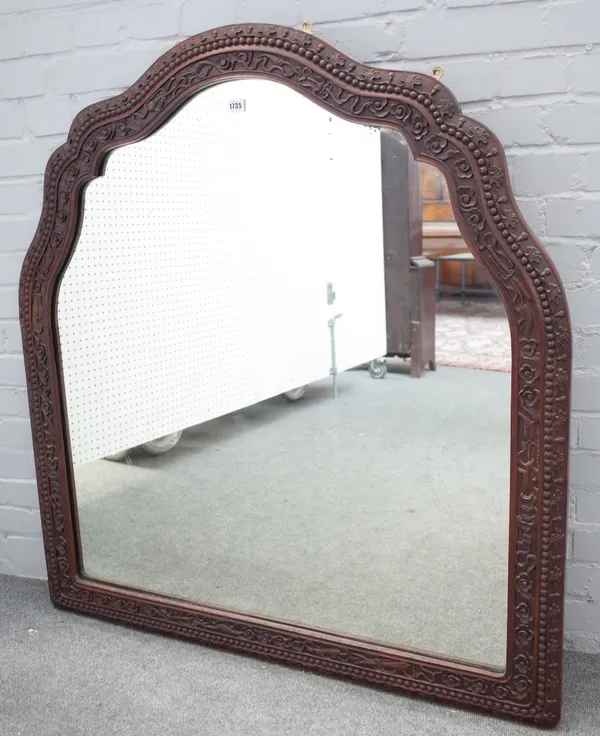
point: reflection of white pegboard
(356, 261)
(198, 285)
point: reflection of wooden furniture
(409, 277)
(465, 260)
(441, 234)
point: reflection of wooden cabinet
(436, 199)
(409, 278)
(440, 232)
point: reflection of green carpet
(381, 514)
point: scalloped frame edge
(473, 161)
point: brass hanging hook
(437, 72)
(307, 26)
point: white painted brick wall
(530, 69)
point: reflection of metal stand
(464, 259)
(331, 322)
(333, 370)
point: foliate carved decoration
(472, 159)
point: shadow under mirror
(288, 380)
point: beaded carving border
(473, 161)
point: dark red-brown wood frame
(473, 161)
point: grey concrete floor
(68, 675)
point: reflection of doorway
(471, 330)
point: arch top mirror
(299, 375)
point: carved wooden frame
(473, 161)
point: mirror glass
(288, 380)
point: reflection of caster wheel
(115, 457)
(295, 394)
(162, 444)
(378, 368)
